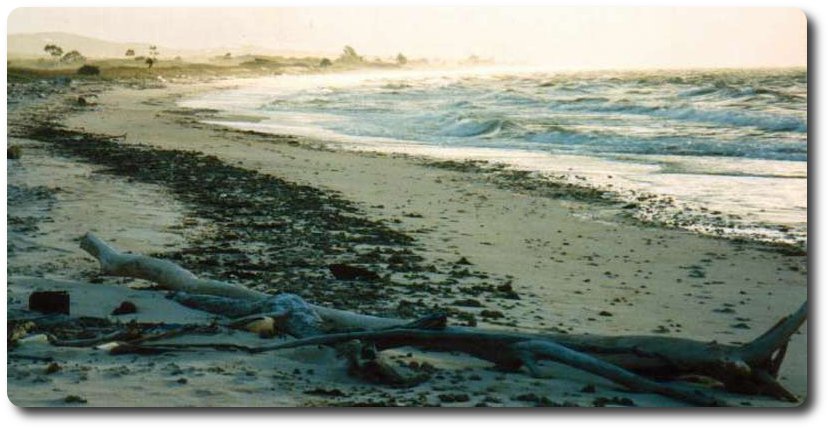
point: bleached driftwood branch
(175, 278)
(162, 272)
(627, 360)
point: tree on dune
(73, 57)
(54, 50)
(349, 55)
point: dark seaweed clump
(525, 180)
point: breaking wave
(753, 115)
(734, 140)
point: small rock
(125, 308)
(344, 272)
(491, 314)
(74, 399)
(14, 152)
(470, 303)
(49, 302)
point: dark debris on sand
(271, 234)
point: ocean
(717, 151)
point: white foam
(760, 191)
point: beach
(462, 234)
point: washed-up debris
(751, 368)
(124, 308)
(345, 272)
(49, 302)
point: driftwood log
(639, 363)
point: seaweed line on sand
(642, 208)
(276, 236)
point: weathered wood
(740, 368)
(627, 360)
(162, 272)
(173, 277)
(117, 334)
(503, 349)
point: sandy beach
(461, 235)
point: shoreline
(572, 267)
(665, 190)
(637, 207)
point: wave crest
(473, 128)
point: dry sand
(569, 260)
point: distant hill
(31, 46)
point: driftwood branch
(504, 350)
(162, 272)
(631, 361)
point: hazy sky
(575, 37)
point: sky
(566, 37)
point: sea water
(731, 144)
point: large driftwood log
(627, 360)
